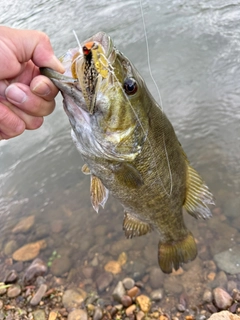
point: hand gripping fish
(130, 148)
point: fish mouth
(86, 69)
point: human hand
(25, 95)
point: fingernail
(59, 67)
(41, 89)
(15, 95)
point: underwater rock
(222, 299)
(224, 315)
(36, 268)
(29, 251)
(24, 225)
(229, 260)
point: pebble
(122, 258)
(222, 299)
(18, 266)
(24, 225)
(156, 295)
(103, 281)
(207, 296)
(29, 251)
(113, 267)
(224, 315)
(37, 268)
(180, 307)
(1, 304)
(119, 292)
(3, 290)
(13, 291)
(53, 315)
(88, 272)
(229, 260)
(134, 292)
(10, 247)
(39, 315)
(156, 278)
(140, 315)
(57, 226)
(221, 280)
(73, 298)
(78, 315)
(98, 314)
(60, 266)
(144, 303)
(130, 310)
(128, 283)
(126, 301)
(231, 285)
(11, 277)
(38, 295)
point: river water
(195, 59)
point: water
(195, 55)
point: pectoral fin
(128, 176)
(198, 196)
(99, 194)
(135, 227)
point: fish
(130, 148)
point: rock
(53, 315)
(224, 315)
(180, 307)
(144, 303)
(231, 285)
(229, 260)
(18, 266)
(140, 315)
(3, 290)
(24, 225)
(11, 277)
(36, 268)
(38, 295)
(13, 291)
(232, 207)
(134, 292)
(73, 298)
(122, 258)
(56, 226)
(156, 278)
(113, 267)
(39, 315)
(221, 280)
(88, 272)
(98, 314)
(60, 266)
(156, 295)
(126, 301)
(29, 251)
(130, 310)
(119, 292)
(78, 315)
(207, 296)
(120, 246)
(10, 247)
(128, 283)
(103, 281)
(222, 299)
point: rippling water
(195, 60)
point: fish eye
(130, 86)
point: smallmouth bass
(130, 148)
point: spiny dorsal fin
(85, 169)
(99, 194)
(128, 176)
(135, 227)
(198, 196)
(173, 255)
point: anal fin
(98, 192)
(135, 227)
(172, 255)
(198, 196)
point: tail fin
(172, 255)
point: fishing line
(78, 42)
(158, 91)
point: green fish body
(130, 148)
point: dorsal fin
(198, 196)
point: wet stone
(221, 280)
(103, 281)
(229, 260)
(231, 285)
(207, 296)
(10, 247)
(180, 307)
(53, 315)
(98, 314)
(24, 225)
(144, 303)
(222, 299)
(18, 266)
(156, 295)
(140, 315)
(57, 226)
(3, 290)
(126, 301)
(11, 277)
(29, 251)
(134, 292)
(13, 291)
(36, 268)
(38, 295)
(224, 315)
(78, 315)
(130, 310)
(113, 267)
(60, 266)
(73, 298)
(39, 315)
(119, 292)
(156, 278)
(88, 272)
(128, 283)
